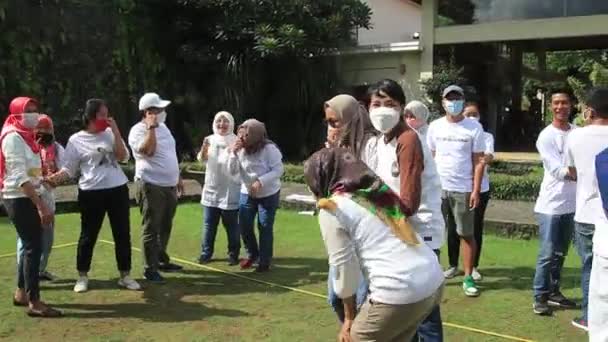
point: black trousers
(454, 239)
(94, 204)
(23, 214)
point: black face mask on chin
(45, 139)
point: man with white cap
(158, 183)
(458, 146)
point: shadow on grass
(291, 272)
(519, 278)
(182, 297)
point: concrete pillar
(427, 37)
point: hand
(474, 200)
(180, 188)
(237, 146)
(205, 150)
(255, 187)
(113, 126)
(46, 216)
(344, 335)
(53, 180)
(151, 121)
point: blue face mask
(454, 108)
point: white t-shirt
(266, 165)
(21, 165)
(428, 220)
(92, 156)
(356, 240)
(557, 196)
(584, 144)
(489, 142)
(222, 189)
(454, 145)
(162, 168)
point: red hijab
(14, 123)
(47, 153)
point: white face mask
(161, 117)
(30, 120)
(384, 118)
(476, 118)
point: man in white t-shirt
(458, 147)
(554, 208)
(158, 183)
(584, 145)
(587, 154)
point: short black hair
(597, 98)
(564, 91)
(91, 109)
(471, 103)
(389, 87)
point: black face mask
(45, 139)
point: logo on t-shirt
(106, 158)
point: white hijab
(217, 180)
(223, 140)
(421, 112)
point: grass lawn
(204, 305)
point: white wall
(392, 21)
(367, 69)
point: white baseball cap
(150, 100)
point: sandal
(48, 312)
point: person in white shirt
(221, 191)
(364, 227)
(598, 291)
(406, 165)
(458, 147)
(158, 182)
(94, 154)
(471, 111)
(51, 154)
(417, 116)
(554, 209)
(584, 144)
(348, 126)
(21, 186)
(259, 164)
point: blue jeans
(230, 220)
(431, 329)
(336, 302)
(555, 235)
(265, 209)
(584, 246)
(48, 236)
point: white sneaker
(451, 272)
(476, 275)
(82, 285)
(129, 283)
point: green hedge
(508, 181)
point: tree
(445, 73)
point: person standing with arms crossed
(554, 208)
(158, 183)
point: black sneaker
(542, 308)
(580, 323)
(233, 261)
(262, 269)
(154, 277)
(169, 267)
(559, 300)
(203, 260)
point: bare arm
(120, 150)
(148, 147)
